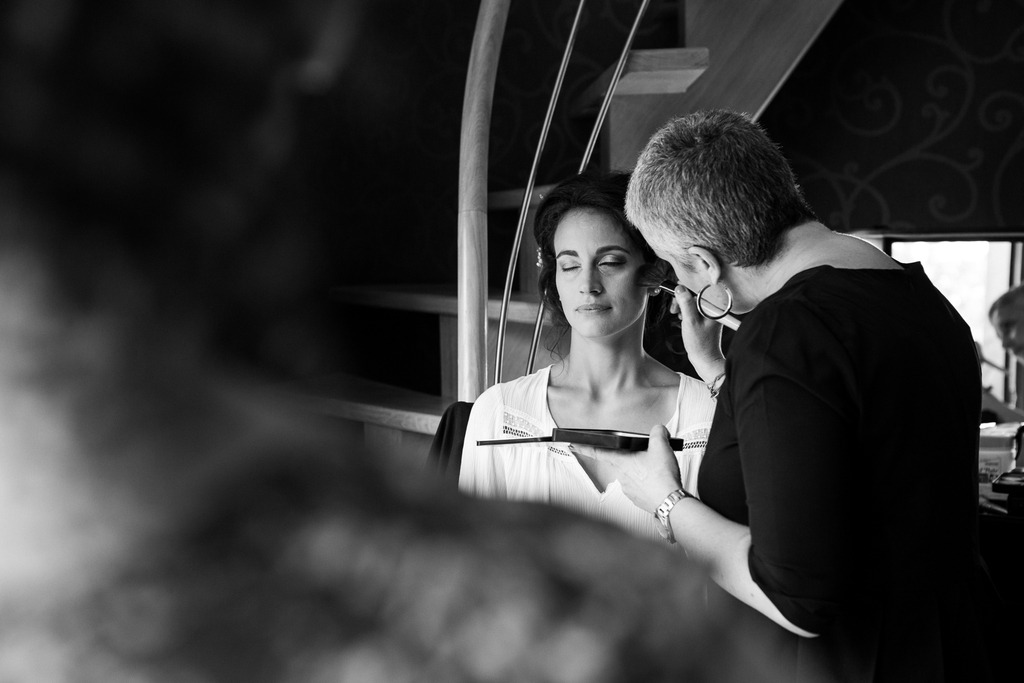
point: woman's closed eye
(569, 267)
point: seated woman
(596, 274)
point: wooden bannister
(472, 244)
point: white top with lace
(548, 472)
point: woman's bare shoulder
(661, 375)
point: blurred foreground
(164, 516)
(172, 524)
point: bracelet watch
(661, 515)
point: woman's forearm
(722, 546)
(708, 369)
(648, 477)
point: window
(971, 275)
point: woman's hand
(701, 337)
(723, 546)
(647, 477)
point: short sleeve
(793, 391)
(482, 473)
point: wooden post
(472, 269)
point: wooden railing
(473, 142)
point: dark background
(906, 114)
(343, 170)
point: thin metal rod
(619, 67)
(499, 350)
(538, 326)
(589, 151)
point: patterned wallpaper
(910, 114)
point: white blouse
(548, 472)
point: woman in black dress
(839, 486)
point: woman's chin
(597, 331)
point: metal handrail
(507, 294)
(587, 153)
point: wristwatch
(662, 513)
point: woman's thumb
(659, 432)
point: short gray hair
(714, 179)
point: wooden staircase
(442, 301)
(749, 47)
(393, 420)
(752, 46)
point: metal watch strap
(661, 515)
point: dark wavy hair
(605, 193)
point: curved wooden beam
(472, 269)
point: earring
(540, 261)
(700, 303)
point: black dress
(846, 437)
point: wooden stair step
(647, 72)
(753, 50)
(373, 403)
(442, 301)
(439, 299)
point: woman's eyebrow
(599, 252)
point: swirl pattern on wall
(910, 115)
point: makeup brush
(729, 320)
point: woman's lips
(592, 308)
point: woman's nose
(590, 283)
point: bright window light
(971, 275)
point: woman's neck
(601, 366)
(803, 247)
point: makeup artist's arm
(723, 546)
(701, 337)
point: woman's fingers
(701, 337)
(602, 454)
(646, 476)
(659, 437)
(658, 446)
(686, 307)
